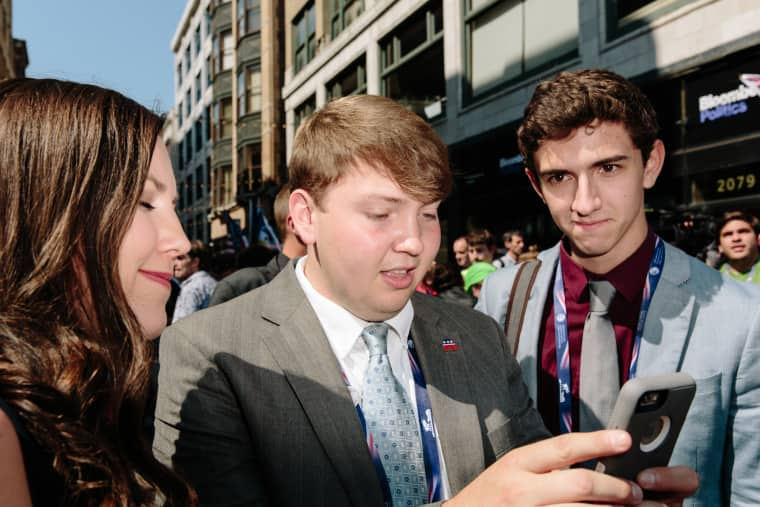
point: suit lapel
(670, 318)
(527, 351)
(310, 366)
(446, 376)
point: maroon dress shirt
(628, 279)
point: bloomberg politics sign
(723, 104)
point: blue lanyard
(427, 425)
(428, 434)
(560, 332)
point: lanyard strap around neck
(561, 335)
(428, 431)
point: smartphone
(652, 409)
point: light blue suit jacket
(701, 323)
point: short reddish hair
(377, 131)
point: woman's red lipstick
(164, 279)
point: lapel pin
(449, 345)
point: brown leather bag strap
(518, 302)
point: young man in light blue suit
(589, 141)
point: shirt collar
(192, 277)
(342, 327)
(628, 277)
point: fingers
(565, 450)
(580, 485)
(679, 480)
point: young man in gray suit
(589, 141)
(335, 384)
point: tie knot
(600, 295)
(375, 337)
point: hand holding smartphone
(653, 410)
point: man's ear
(302, 209)
(534, 183)
(653, 164)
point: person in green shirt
(738, 243)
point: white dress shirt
(343, 330)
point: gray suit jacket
(252, 408)
(698, 322)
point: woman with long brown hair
(88, 231)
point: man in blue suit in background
(589, 142)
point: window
(181, 205)
(209, 71)
(189, 145)
(188, 58)
(249, 174)
(215, 52)
(198, 134)
(624, 16)
(199, 223)
(223, 191)
(179, 114)
(179, 73)
(207, 21)
(507, 40)
(223, 119)
(249, 90)
(351, 81)
(304, 37)
(181, 155)
(189, 189)
(216, 191)
(304, 110)
(197, 40)
(412, 62)
(188, 104)
(198, 87)
(343, 13)
(207, 121)
(199, 181)
(249, 17)
(222, 51)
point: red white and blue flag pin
(449, 345)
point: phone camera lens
(655, 434)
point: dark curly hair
(575, 99)
(73, 360)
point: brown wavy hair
(73, 360)
(571, 100)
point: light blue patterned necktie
(391, 422)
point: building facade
(13, 55)
(227, 114)
(470, 66)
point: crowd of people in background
(476, 255)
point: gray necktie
(391, 422)
(600, 378)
